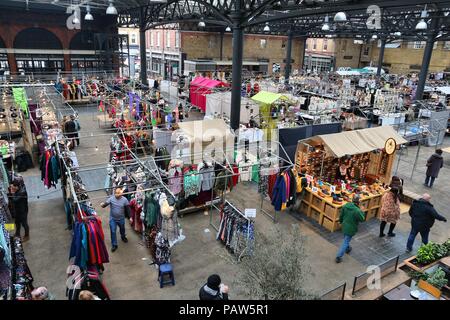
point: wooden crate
(364, 205)
(330, 224)
(409, 263)
(375, 201)
(331, 212)
(316, 215)
(303, 208)
(308, 196)
(372, 213)
(317, 202)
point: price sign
(250, 213)
(314, 189)
(333, 189)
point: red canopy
(199, 87)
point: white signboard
(250, 213)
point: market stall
(199, 88)
(340, 165)
(219, 105)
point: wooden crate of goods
(375, 201)
(316, 215)
(331, 212)
(317, 202)
(330, 224)
(364, 205)
(372, 213)
(308, 196)
(303, 208)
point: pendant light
(88, 16)
(326, 26)
(398, 33)
(422, 25)
(75, 19)
(201, 24)
(111, 9)
(266, 27)
(228, 29)
(340, 17)
(374, 36)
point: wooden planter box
(435, 292)
(409, 263)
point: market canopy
(266, 97)
(357, 141)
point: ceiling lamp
(340, 16)
(111, 9)
(422, 25)
(374, 36)
(228, 29)
(88, 15)
(75, 19)
(266, 27)
(398, 33)
(201, 24)
(326, 26)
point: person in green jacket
(351, 216)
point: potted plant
(434, 282)
(428, 255)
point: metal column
(221, 45)
(143, 47)
(381, 56)
(426, 59)
(287, 69)
(238, 48)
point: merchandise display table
(326, 213)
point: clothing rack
(249, 221)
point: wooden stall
(340, 165)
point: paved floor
(129, 276)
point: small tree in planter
(277, 268)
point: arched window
(36, 38)
(83, 40)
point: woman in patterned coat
(390, 211)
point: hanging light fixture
(75, 19)
(398, 33)
(374, 36)
(228, 29)
(201, 24)
(88, 15)
(422, 25)
(266, 27)
(340, 17)
(111, 9)
(326, 26)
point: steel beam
(238, 48)
(287, 69)
(381, 56)
(143, 47)
(426, 59)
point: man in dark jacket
(422, 215)
(70, 129)
(351, 216)
(434, 165)
(19, 205)
(214, 289)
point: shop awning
(266, 97)
(357, 141)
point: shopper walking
(119, 209)
(214, 289)
(70, 130)
(390, 211)
(19, 205)
(351, 216)
(434, 165)
(423, 216)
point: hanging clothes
(206, 174)
(175, 180)
(191, 182)
(162, 252)
(135, 216)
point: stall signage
(250, 213)
(314, 189)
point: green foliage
(431, 252)
(416, 275)
(437, 278)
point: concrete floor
(129, 275)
